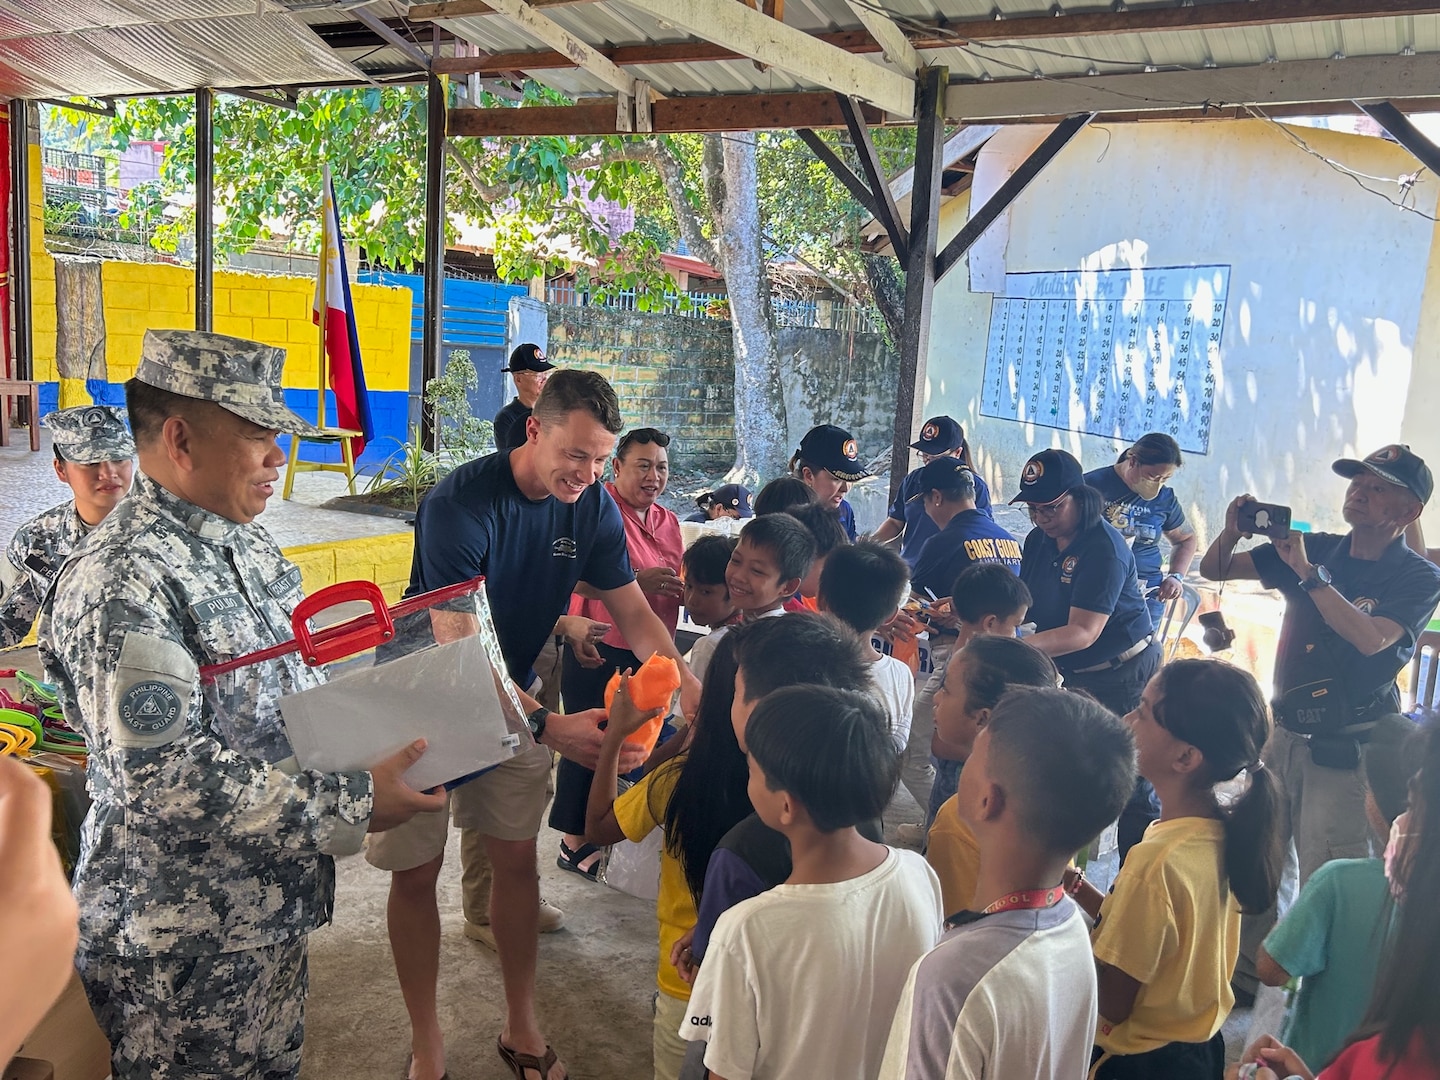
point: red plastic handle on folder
(352, 636)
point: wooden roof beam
(726, 112)
(1218, 16)
(775, 44)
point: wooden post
(919, 264)
(204, 209)
(434, 291)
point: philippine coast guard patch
(149, 708)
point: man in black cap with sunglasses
(529, 368)
(1355, 606)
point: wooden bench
(18, 388)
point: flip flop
(519, 1062)
(570, 859)
(410, 1061)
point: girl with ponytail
(1168, 934)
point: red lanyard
(1029, 900)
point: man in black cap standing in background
(940, 437)
(529, 368)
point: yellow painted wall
(272, 308)
(385, 560)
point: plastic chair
(1178, 613)
(1424, 668)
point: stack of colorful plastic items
(33, 728)
(34, 720)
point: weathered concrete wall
(678, 375)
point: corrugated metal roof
(55, 48)
(114, 47)
(613, 23)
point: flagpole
(322, 291)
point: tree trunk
(762, 443)
(887, 286)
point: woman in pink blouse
(652, 534)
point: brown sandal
(410, 1061)
(519, 1062)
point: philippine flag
(342, 344)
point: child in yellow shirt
(712, 776)
(975, 680)
(1168, 934)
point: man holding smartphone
(1355, 604)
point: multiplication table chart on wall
(1115, 353)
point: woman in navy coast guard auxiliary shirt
(1088, 611)
(1141, 505)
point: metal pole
(919, 263)
(204, 209)
(21, 292)
(434, 271)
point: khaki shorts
(508, 803)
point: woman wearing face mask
(1400, 1036)
(1140, 503)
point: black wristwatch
(536, 722)
(1319, 579)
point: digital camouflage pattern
(91, 434)
(242, 377)
(239, 1014)
(203, 838)
(35, 554)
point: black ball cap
(528, 358)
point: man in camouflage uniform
(95, 457)
(206, 858)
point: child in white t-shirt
(864, 585)
(804, 979)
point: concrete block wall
(272, 308)
(678, 374)
(671, 373)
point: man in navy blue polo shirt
(535, 521)
(946, 492)
(962, 535)
(1355, 606)
(940, 437)
(529, 368)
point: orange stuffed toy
(651, 687)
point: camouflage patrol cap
(91, 434)
(241, 376)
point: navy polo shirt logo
(563, 548)
(1067, 568)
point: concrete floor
(28, 486)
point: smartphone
(1264, 519)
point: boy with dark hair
(802, 981)
(1011, 989)
(863, 585)
(773, 554)
(707, 600)
(829, 535)
(752, 857)
(985, 599)
(1340, 925)
(988, 598)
